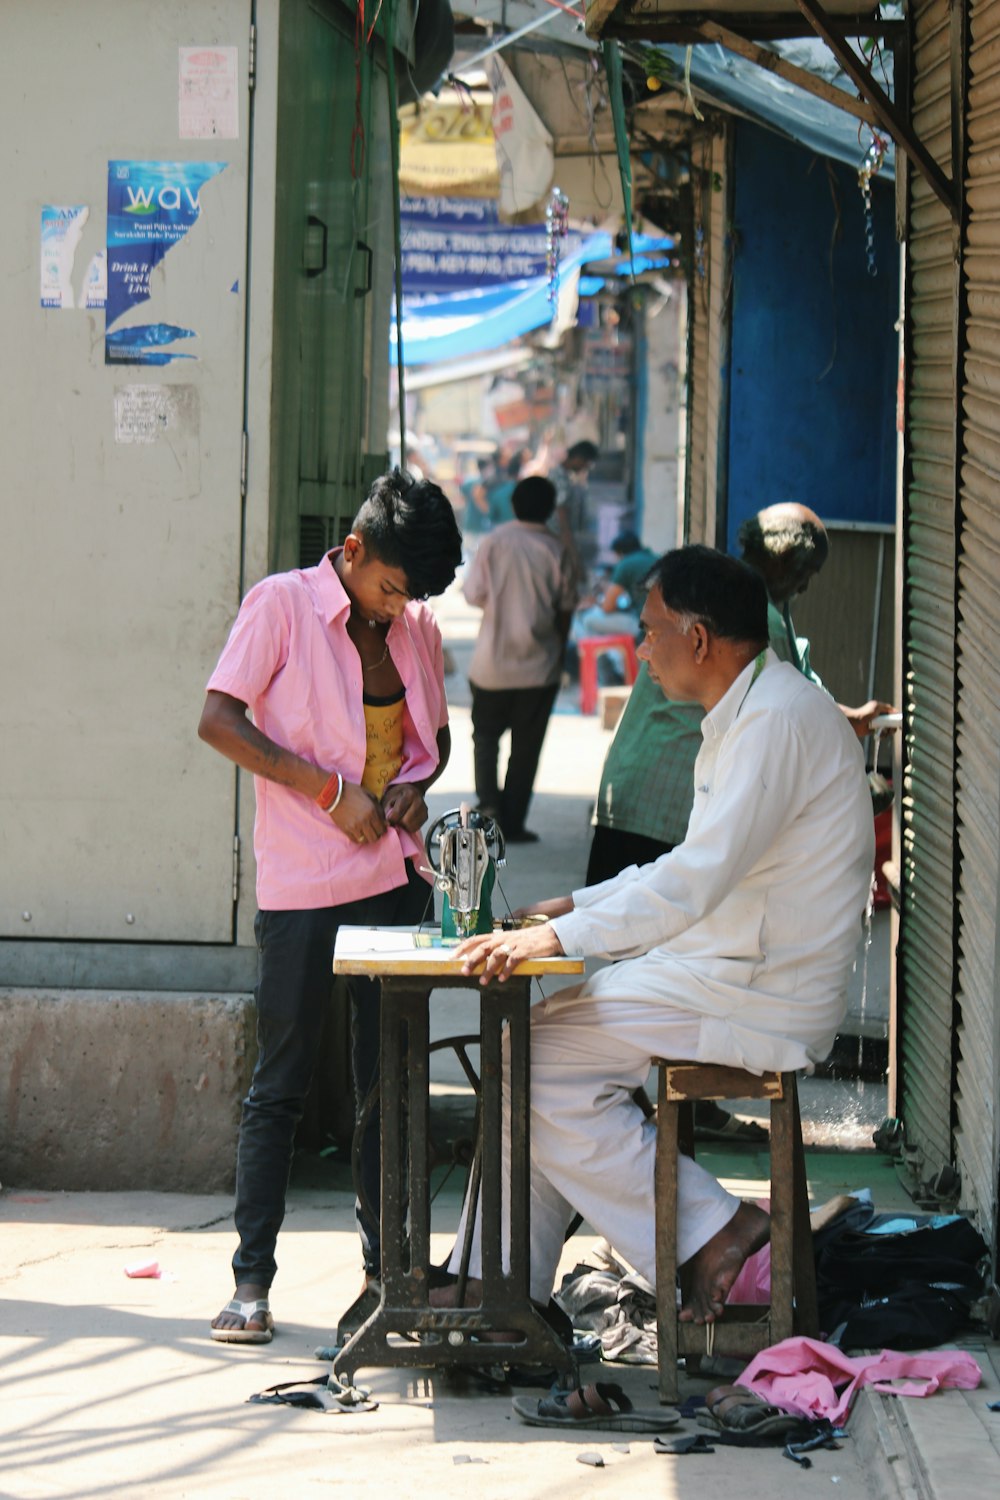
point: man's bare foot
(711, 1271)
(247, 1291)
(446, 1296)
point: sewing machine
(465, 849)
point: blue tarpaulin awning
(727, 79)
(464, 250)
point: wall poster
(207, 94)
(61, 231)
(151, 207)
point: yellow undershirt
(384, 736)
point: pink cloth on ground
(812, 1379)
(753, 1284)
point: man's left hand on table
(501, 952)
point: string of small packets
(556, 229)
(871, 165)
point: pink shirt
(290, 659)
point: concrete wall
(122, 1090)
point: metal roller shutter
(927, 921)
(978, 779)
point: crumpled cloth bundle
(585, 1295)
(812, 1379)
(619, 1308)
(628, 1332)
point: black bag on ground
(914, 1316)
(899, 1291)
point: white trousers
(592, 1151)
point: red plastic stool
(590, 649)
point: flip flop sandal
(597, 1406)
(692, 1442)
(731, 1410)
(316, 1395)
(244, 1335)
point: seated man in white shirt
(734, 948)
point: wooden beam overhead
(889, 116)
(709, 31)
(620, 17)
(598, 13)
(663, 21)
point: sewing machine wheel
(491, 830)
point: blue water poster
(151, 206)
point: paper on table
(354, 941)
(360, 950)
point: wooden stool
(744, 1329)
(590, 649)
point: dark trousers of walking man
(525, 713)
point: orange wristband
(323, 800)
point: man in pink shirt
(341, 668)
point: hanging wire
(362, 40)
(556, 229)
(588, 86)
(871, 165)
(358, 128)
(378, 12)
(835, 234)
(688, 55)
(570, 10)
(390, 53)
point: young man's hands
(404, 807)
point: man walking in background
(521, 578)
(572, 523)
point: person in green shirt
(617, 607)
(626, 588)
(616, 610)
(500, 493)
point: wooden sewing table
(405, 1330)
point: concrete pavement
(111, 1386)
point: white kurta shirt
(752, 923)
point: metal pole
(505, 41)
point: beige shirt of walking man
(522, 579)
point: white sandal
(244, 1335)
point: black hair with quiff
(409, 523)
